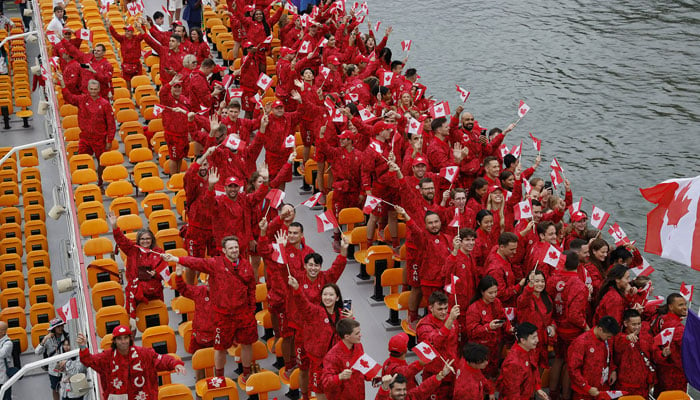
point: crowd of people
(487, 274)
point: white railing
(35, 365)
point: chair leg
(26, 122)
(393, 318)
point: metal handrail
(25, 146)
(18, 36)
(34, 365)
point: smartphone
(483, 132)
(499, 321)
(84, 66)
(347, 304)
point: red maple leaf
(364, 364)
(596, 217)
(526, 209)
(553, 254)
(426, 350)
(685, 290)
(666, 333)
(678, 207)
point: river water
(613, 87)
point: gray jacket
(5, 354)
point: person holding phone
(590, 360)
(486, 322)
(520, 377)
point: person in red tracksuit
(338, 379)
(200, 93)
(535, 306)
(633, 352)
(461, 264)
(486, 322)
(175, 123)
(130, 50)
(439, 153)
(520, 376)
(527, 236)
(498, 265)
(590, 360)
(239, 163)
(95, 119)
(98, 67)
(395, 387)
(203, 328)
(547, 233)
(440, 329)
(232, 286)
(71, 73)
(320, 318)
(286, 74)
(570, 297)
(199, 240)
(486, 239)
(257, 26)
(396, 363)
(669, 370)
(170, 53)
(470, 382)
(237, 124)
(611, 298)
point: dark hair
(307, 69)
(429, 213)
(543, 226)
(438, 297)
(485, 284)
(544, 296)
(339, 302)
(425, 180)
(158, 14)
(315, 256)
(508, 160)
(618, 271)
(176, 37)
(522, 331)
(475, 353)
(535, 202)
(640, 281)
(228, 238)
(576, 244)
(466, 232)
(572, 260)
(411, 72)
(480, 216)
(59, 8)
(494, 131)
(113, 345)
(619, 255)
(345, 327)
(505, 174)
(476, 185)
(630, 313)
(596, 245)
(437, 122)
(102, 46)
(297, 225)
(208, 63)
(266, 26)
(506, 238)
(400, 379)
(394, 64)
(385, 55)
(609, 325)
(664, 309)
(199, 31)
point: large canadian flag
(387, 78)
(275, 197)
(371, 203)
(664, 337)
(440, 110)
(552, 256)
(264, 81)
(425, 352)
(278, 253)
(673, 227)
(326, 221)
(599, 218)
(69, 310)
(367, 366)
(414, 127)
(365, 114)
(523, 210)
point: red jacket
(254, 30)
(316, 319)
(520, 377)
(285, 78)
(444, 341)
(375, 170)
(588, 358)
(570, 297)
(532, 309)
(346, 167)
(143, 358)
(439, 155)
(199, 213)
(200, 91)
(340, 358)
(72, 77)
(130, 49)
(394, 365)
(422, 392)
(232, 285)
(203, 325)
(470, 383)
(103, 69)
(276, 132)
(479, 316)
(175, 122)
(169, 59)
(199, 49)
(135, 258)
(240, 164)
(485, 244)
(462, 266)
(501, 269)
(437, 246)
(233, 215)
(670, 369)
(241, 126)
(611, 304)
(95, 117)
(633, 374)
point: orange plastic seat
(91, 210)
(161, 338)
(109, 293)
(161, 219)
(13, 297)
(38, 275)
(38, 333)
(155, 202)
(10, 215)
(10, 262)
(34, 213)
(35, 228)
(168, 239)
(32, 199)
(31, 186)
(10, 231)
(11, 246)
(89, 192)
(41, 313)
(98, 247)
(110, 158)
(38, 258)
(175, 391)
(129, 223)
(119, 189)
(81, 161)
(152, 314)
(107, 318)
(103, 270)
(83, 176)
(36, 242)
(124, 206)
(30, 173)
(93, 227)
(19, 337)
(41, 293)
(673, 395)
(14, 317)
(262, 383)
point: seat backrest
(175, 391)
(93, 227)
(41, 313)
(358, 236)
(18, 336)
(103, 270)
(38, 333)
(36, 242)
(14, 317)
(393, 277)
(119, 189)
(204, 359)
(39, 275)
(41, 293)
(11, 279)
(673, 395)
(10, 262)
(124, 206)
(262, 382)
(160, 338)
(13, 297)
(38, 258)
(162, 219)
(229, 392)
(168, 239)
(35, 228)
(89, 192)
(129, 223)
(11, 246)
(98, 247)
(107, 293)
(109, 317)
(376, 254)
(350, 217)
(34, 213)
(153, 313)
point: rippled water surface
(613, 88)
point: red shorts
(177, 146)
(428, 290)
(386, 194)
(306, 128)
(196, 343)
(303, 360)
(281, 314)
(96, 147)
(315, 371)
(412, 270)
(343, 200)
(199, 242)
(560, 347)
(233, 330)
(130, 70)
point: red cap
(381, 126)
(120, 330)
(232, 180)
(129, 29)
(179, 23)
(67, 30)
(218, 68)
(334, 60)
(346, 134)
(285, 51)
(493, 188)
(423, 117)
(247, 44)
(277, 103)
(420, 160)
(578, 216)
(399, 343)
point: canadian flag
(54, 62)
(575, 206)
(313, 200)
(419, 92)
(275, 196)
(376, 146)
(215, 382)
(556, 178)
(555, 165)
(528, 186)
(618, 235)
(523, 210)
(376, 26)
(413, 126)
(522, 109)
(673, 227)
(510, 313)
(69, 310)
(365, 114)
(656, 301)
(516, 151)
(463, 94)
(612, 394)
(325, 71)
(323, 43)
(664, 337)
(278, 253)
(406, 45)
(425, 352)
(166, 11)
(440, 110)
(258, 100)
(338, 116)
(503, 149)
(552, 256)
(643, 270)
(449, 173)
(85, 34)
(268, 40)
(232, 142)
(326, 221)
(455, 220)
(387, 77)
(291, 7)
(371, 203)
(133, 8)
(104, 7)
(599, 218)
(537, 143)
(353, 96)
(52, 38)
(264, 81)
(305, 45)
(164, 271)
(687, 292)
(157, 110)
(234, 92)
(361, 19)
(290, 142)
(366, 366)
(452, 286)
